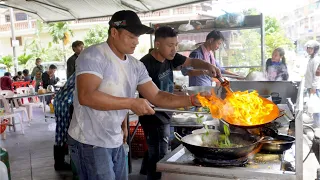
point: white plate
(181, 118)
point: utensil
(225, 84)
(194, 143)
(278, 145)
(178, 111)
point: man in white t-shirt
(106, 81)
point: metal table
(20, 96)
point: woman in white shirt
(312, 76)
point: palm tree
(7, 60)
(60, 32)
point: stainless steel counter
(179, 165)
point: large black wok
(196, 144)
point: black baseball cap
(129, 21)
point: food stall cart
(181, 164)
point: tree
(96, 35)
(60, 32)
(8, 61)
(275, 36)
(23, 59)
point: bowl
(213, 124)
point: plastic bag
(229, 20)
(186, 27)
(313, 104)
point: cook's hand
(213, 71)
(312, 91)
(141, 107)
(125, 135)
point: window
(21, 17)
(18, 38)
(7, 18)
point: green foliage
(23, 59)
(275, 36)
(271, 25)
(96, 35)
(244, 50)
(57, 31)
(8, 61)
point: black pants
(158, 140)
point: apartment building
(303, 23)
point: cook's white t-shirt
(119, 78)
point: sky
(267, 7)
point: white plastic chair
(17, 108)
(26, 103)
(9, 115)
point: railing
(19, 25)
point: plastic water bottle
(3, 171)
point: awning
(67, 10)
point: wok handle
(178, 136)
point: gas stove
(220, 163)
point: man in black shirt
(48, 78)
(160, 63)
(77, 47)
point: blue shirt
(202, 80)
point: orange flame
(241, 108)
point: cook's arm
(89, 95)
(191, 71)
(316, 80)
(200, 64)
(163, 99)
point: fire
(241, 108)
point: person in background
(107, 78)
(26, 75)
(276, 67)
(15, 78)
(6, 82)
(77, 47)
(63, 110)
(20, 75)
(199, 77)
(160, 63)
(36, 73)
(312, 76)
(48, 78)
